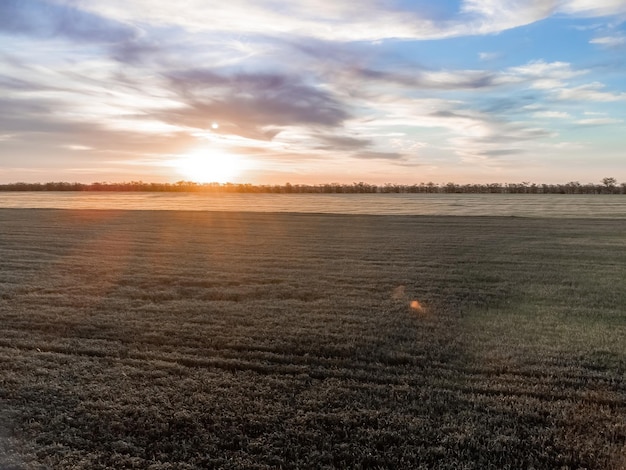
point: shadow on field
(211, 340)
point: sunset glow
(207, 166)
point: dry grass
(175, 340)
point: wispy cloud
(610, 41)
(373, 155)
(77, 147)
(343, 21)
(488, 56)
(599, 121)
(589, 92)
(551, 115)
(498, 15)
(331, 21)
(593, 8)
(543, 75)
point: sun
(209, 166)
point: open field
(182, 340)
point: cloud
(433, 80)
(337, 142)
(499, 142)
(251, 104)
(510, 105)
(362, 148)
(136, 51)
(77, 147)
(331, 20)
(45, 19)
(457, 128)
(589, 92)
(373, 155)
(539, 75)
(24, 115)
(551, 115)
(371, 20)
(610, 41)
(16, 84)
(502, 152)
(593, 8)
(493, 16)
(599, 122)
(297, 81)
(488, 56)
(542, 70)
(553, 79)
(49, 119)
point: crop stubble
(163, 339)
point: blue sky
(313, 91)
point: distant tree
(609, 184)
(573, 187)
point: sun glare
(208, 166)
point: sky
(313, 91)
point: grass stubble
(183, 340)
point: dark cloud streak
(501, 152)
(373, 155)
(252, 101)
(426, 80)
(334, 142)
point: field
(184, 340)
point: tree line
(606, 186)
